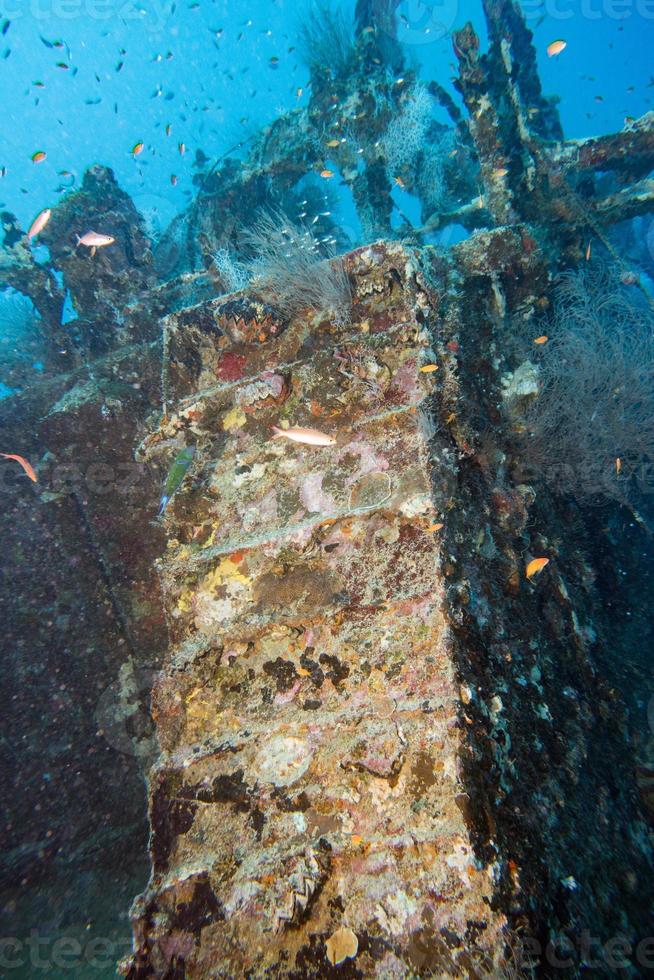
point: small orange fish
(333, 143)
(39, 156)
(618, 465)
(556, 47)
(400, 182)
(500, 172)
(23, 462)
(310, 437)
(428, 368)
(542, 339)
(92, 239)
(588, 251)
(326, 174)
(535, 566)
(182, 149)
(435, 527)
(137, 148)
(39, 223)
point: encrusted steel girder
(529, 171)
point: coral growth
(233, 276)
(417, 149)
(590, 429)
(405, 137)
(287, 260)
(326, 38)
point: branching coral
(417, 149)
(287, 260)
(590, 428)
(432, 177)
(405, 136)
(232, 274)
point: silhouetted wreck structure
(370, 722)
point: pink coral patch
(231, 367)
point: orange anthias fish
(92, 239)
(542, 339)
(29, 469)
(39, 223)
(326, 174)
(137, 148)
(535, 566)
(310, 437)
(556, 47)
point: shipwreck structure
(382, 748)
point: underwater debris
(350, 637)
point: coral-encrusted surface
(361, 719)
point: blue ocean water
(205, 68)
(84, 82)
